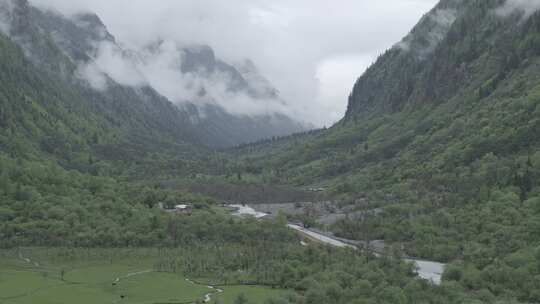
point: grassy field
(254, 294)
(27, 281)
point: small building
(183, 209)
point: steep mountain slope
(132, 120)
(442, 134)
(66, 148)
(441, 139)
(80, 51)
(400, 75)
(69, 148)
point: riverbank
(428, 270)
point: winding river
(428, 270)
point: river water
(428, 270)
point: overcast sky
(311, 50)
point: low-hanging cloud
(291, 42)
(115, 63)
(111, 61)
(160, 68)
(441, 21)
(6, 8)
(526, 7)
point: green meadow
(254, 294)
(24, 280)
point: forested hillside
(438, 153)
(443, 134)
(46, 104)
(65, 147)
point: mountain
(403, 74)
(230, 104)
(80, 49)
(245, 77)
(438, 157)
(441, 137)
(75, 140)
(58, 137)
(453, 49)
(65, 109)
(218, 86)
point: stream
(208, 296)
(428, 270)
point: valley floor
(103, 280)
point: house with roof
(183, 209)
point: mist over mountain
(525, 7)
(223, 107)
(145, 166)
(439, 151)
(430, 65)
(293, 44)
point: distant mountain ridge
(199, 62)
(69, 47)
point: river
(428, 270)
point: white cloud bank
(6, 8)
(311, 50)
(160, 68)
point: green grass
(64, 294)
(93, 283)
(102, 273)
(254, 294)
(16, 284)
(96, 283)
(161, 288)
